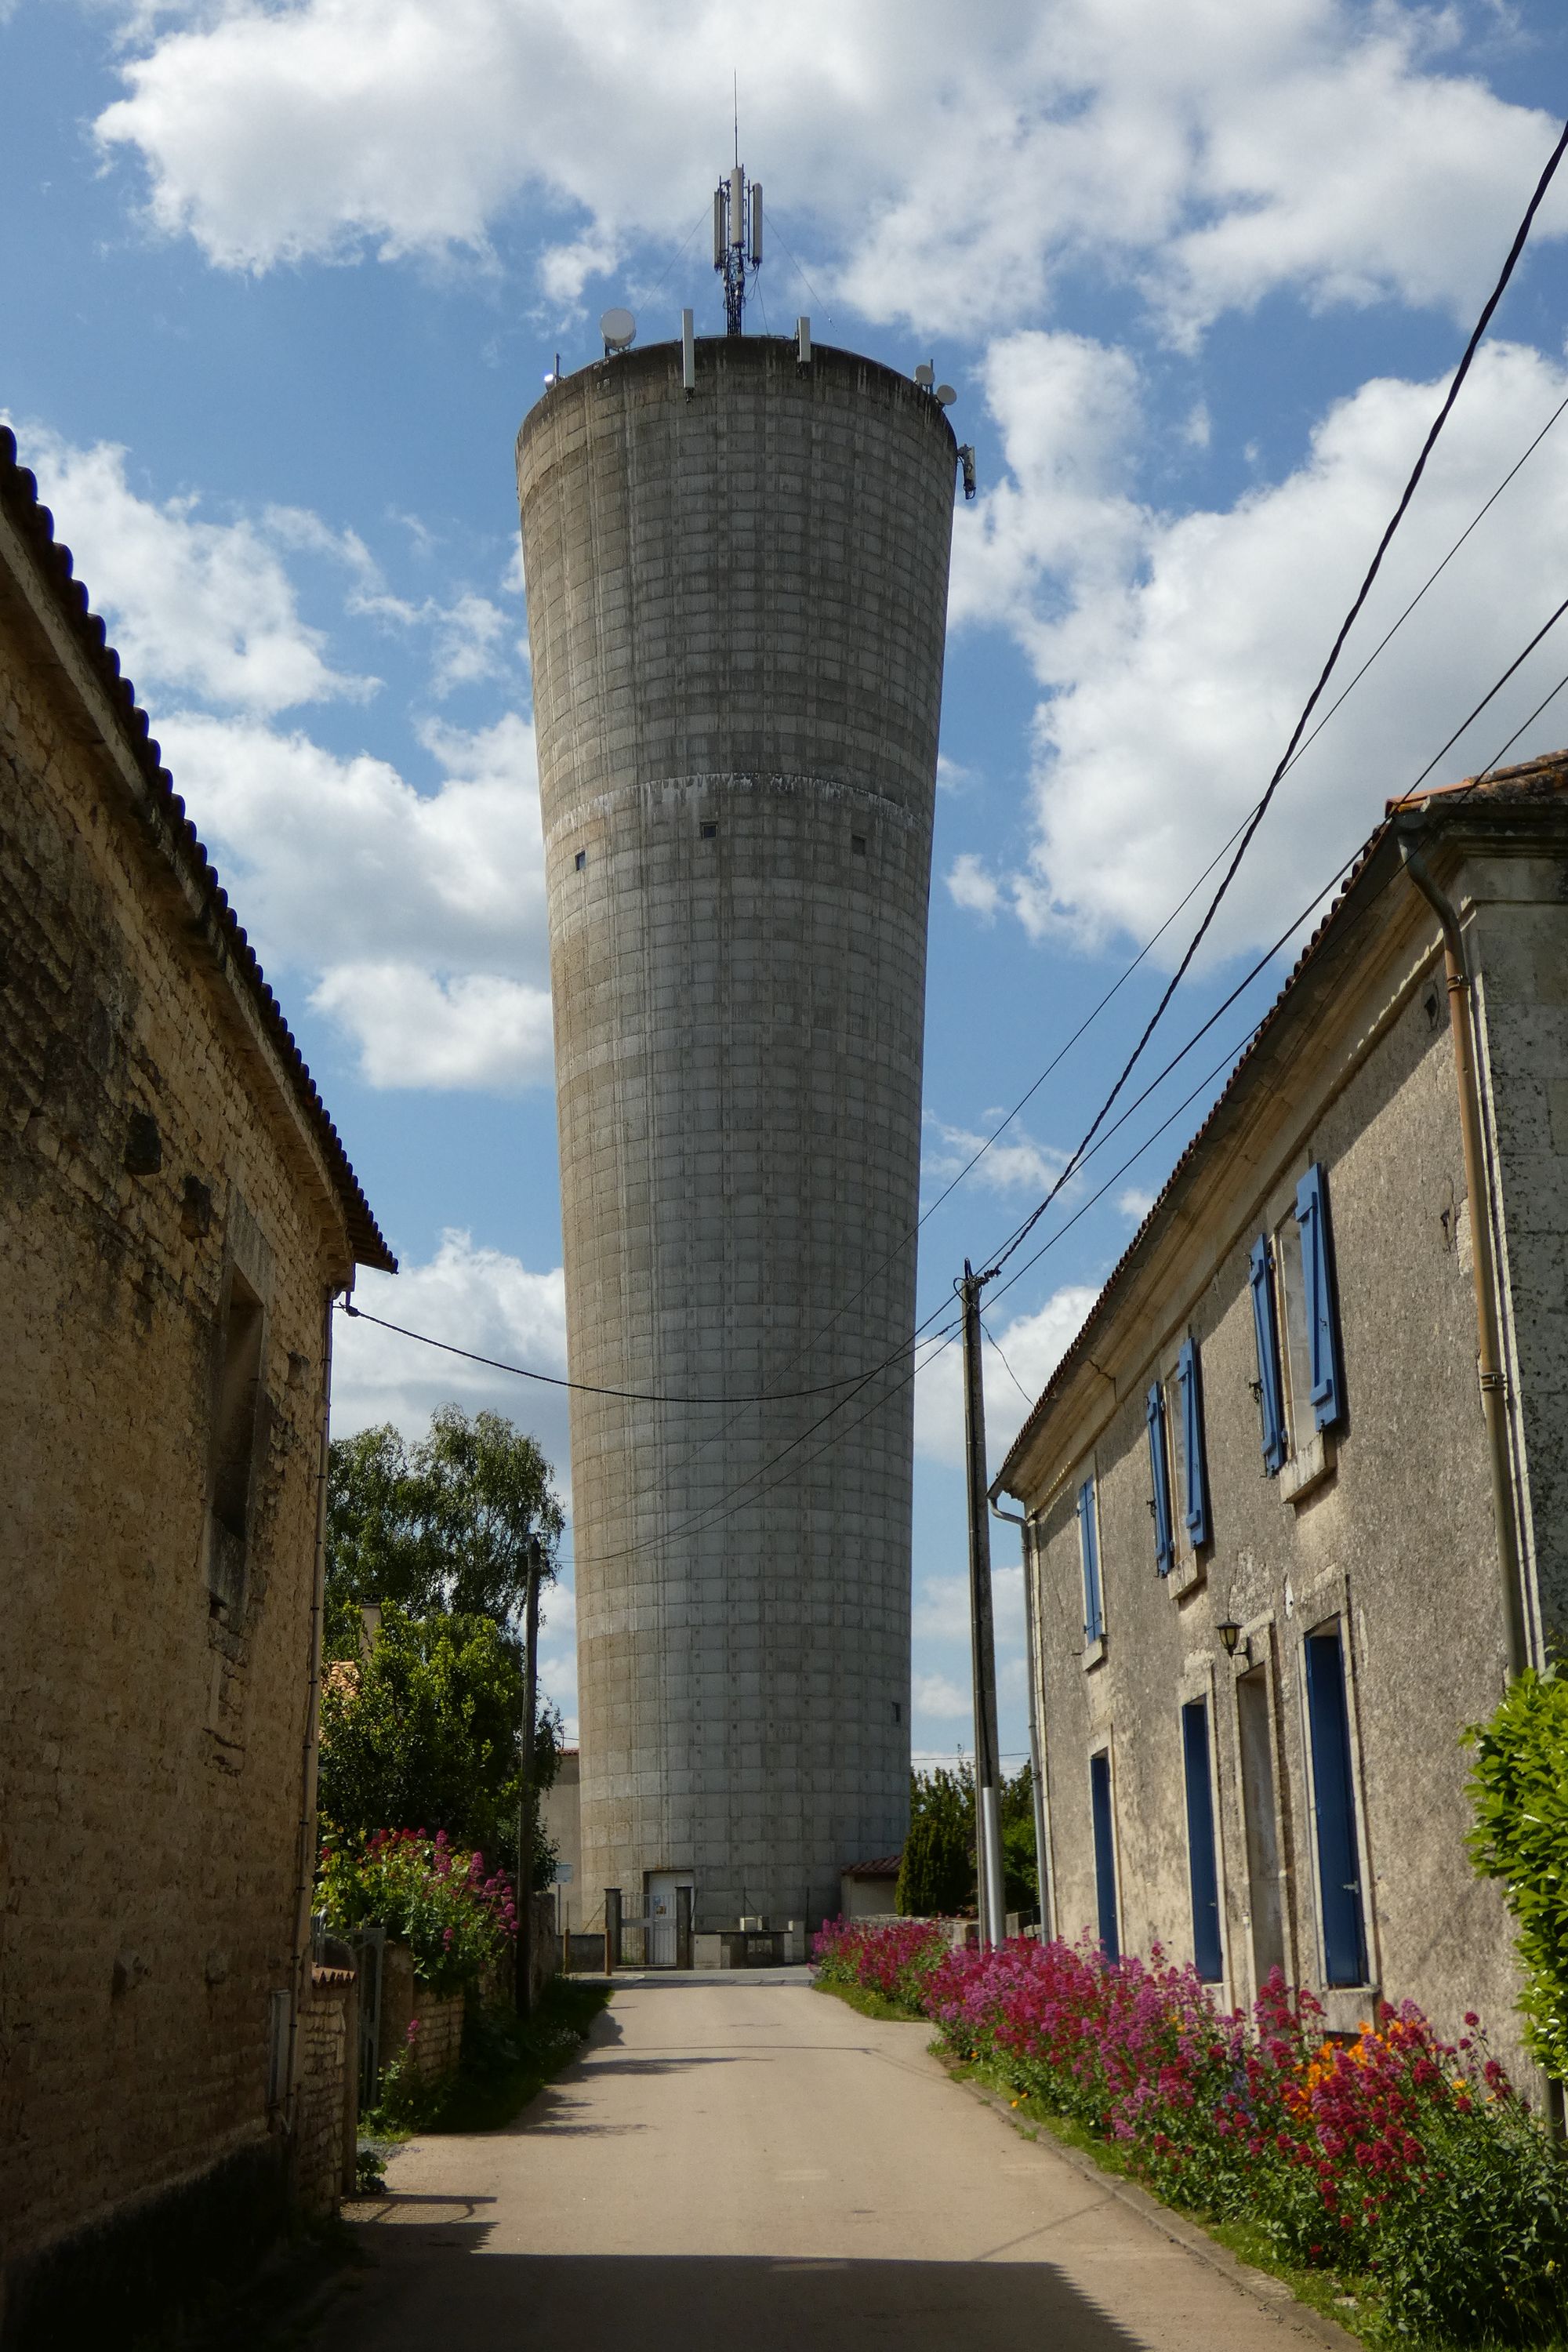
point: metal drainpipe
(311, 1759)
(1024, 1519)
(1489, 1318)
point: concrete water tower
(736, 552)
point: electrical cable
(1259, 813)
(632, 1396)
(1497, 756)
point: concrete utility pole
(525, 1797)
(987, 1818)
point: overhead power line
(1358, 602)
(632, 1396)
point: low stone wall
(433, 2046)
(326, 2114)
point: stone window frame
(1259, 1650)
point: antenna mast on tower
(737, 240)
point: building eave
(1515, 804)
(87, 670)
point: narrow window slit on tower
(857, 843)
(581, 859)
(709, 832)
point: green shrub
(458, 1919)
(1520, 1788)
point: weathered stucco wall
(151, 1741)
(1395, 1540)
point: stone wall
(165, 1223)
(326, 2111)
(418, 2026)
(736, 610)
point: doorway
(1254, 1708)
(663, 1909)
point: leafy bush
(936, 1873)
(1520, 1788)
(458, 1919)
(1397, 2156)
(895, 1961)
(424, 1728)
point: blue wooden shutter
(1159, 1471)
(1318, 1285)
(1266, 1331)
(1202, 1867)
(1089, 1549)
(1334, 1802)
(1104, 1854)
(1196, 1501)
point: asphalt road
(747, 2163)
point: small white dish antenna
(925, 376)
(946, 394)
(619, 330)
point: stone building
(176, 1214)
(1282, 1544)
(737, 596)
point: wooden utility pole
(527, 1739)
(987, 1817)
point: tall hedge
(1520, 1788)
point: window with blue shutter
(1328, 1388)
(1104, 1854)
(1202, 1870)
(1266, 1331)
(1194, 1454)
(1333, 1804)
(1089, 1551)
(1160, 1475)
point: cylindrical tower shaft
(737, 601)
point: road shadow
(426, 2294)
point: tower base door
(666, 1915)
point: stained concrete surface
(744, 2160)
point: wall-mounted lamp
(1230, 1634)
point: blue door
(1104, 1852)
(1339, 1859)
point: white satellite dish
(946, 394)
(619, 330)
(925, 376)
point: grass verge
(1354, 2303)
(506, 2060)
(871, 2004)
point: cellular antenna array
(737, 240)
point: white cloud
(941, 1612)
(414, 1028)
(937, 1696)
(478, 1299)
(972, 887)
(1034, 1346)
(1014, 1163)
(1134, 1204)
(421, 914)
(1206, 152)
(193, 606)
(1177, 651)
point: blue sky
(280, 281)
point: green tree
(419, 1731)
(443, 1524)
(1519, 1788)
(1020, 1871)
(936, 1876)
